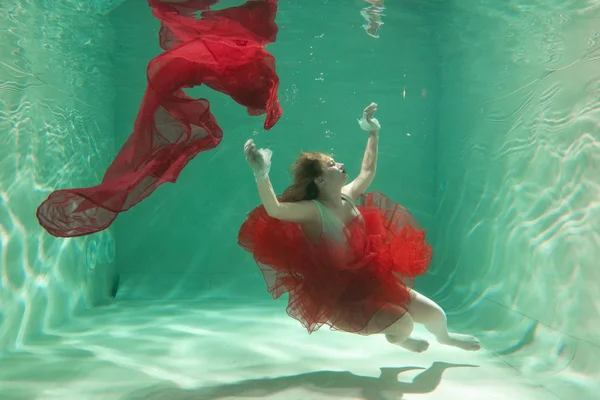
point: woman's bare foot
(415, 345)
(465, 342)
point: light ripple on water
(531, 141)
(42, 279)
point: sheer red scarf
(224, 50)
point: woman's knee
(424, 310)
(401, 329)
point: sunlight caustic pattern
(55, 120)
(514, 140)
(198, 350)
(519, 218)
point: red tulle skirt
(342, 285)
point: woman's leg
(425, 311)
(399, 332)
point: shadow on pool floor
(333, 383)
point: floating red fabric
(224, 50)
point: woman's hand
(258, 159)
(369, 122)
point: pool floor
(175, 350)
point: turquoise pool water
(491, 124)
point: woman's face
(334, 172)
